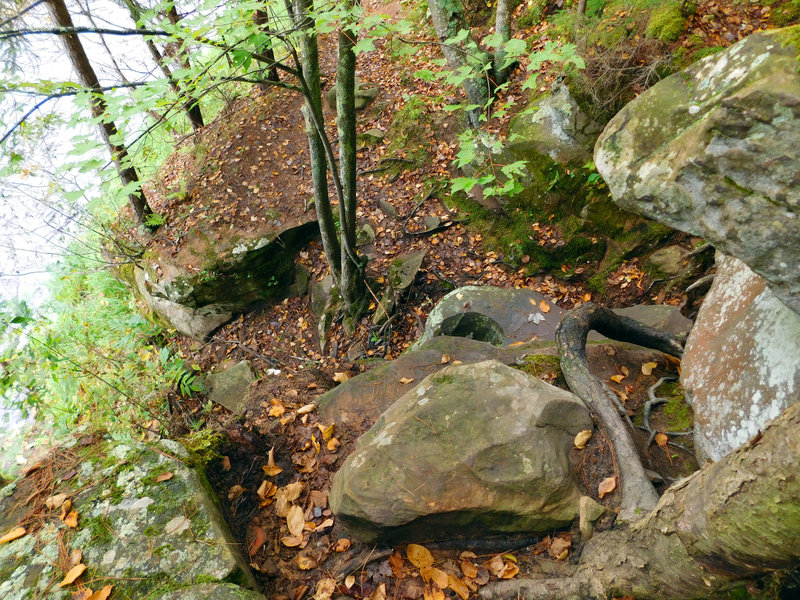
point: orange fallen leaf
(72, 575)
(458, 586)
(292, 541)
(306, 563)
(226, 463)
(608, 485)
(433, 593)
(469, 569)
(419, 556)
(71, 520)
(333, 444)
(342, 544)
(65, 509)
(102, 594)
(15, 533)
(544, 306)
(271, 469)
(445, 359)
(166, 476)
(259, 537)
(83, 594)
(406, 380)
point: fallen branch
(638, 494)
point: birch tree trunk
(108, 130)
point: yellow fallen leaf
(617, 378)
(445, 359)
(295, 520)
(433, 593)
(304, 410)
(271, 469)
(608, 485)
(469, 569)
(65, 508)
(458, 586)
(438, 576)
(15, 533)
(405, 380)
(340, 377)
(325, 589)
(101, 594)
(166, 476)
(292, 541)
(647, 368)
(349, 581)
(315, 443)
(582, 438)
(324, 525)
(83, 594)
(327, 432)
(342, 544)
(333, 444)
(72, 575)
(71, 520)
(544, 306)
(305, 563)
(277, 411)
(419, 556)
(624, 370)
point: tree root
(638, 494)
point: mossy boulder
(667, 23)
(472, 450)
(147, 524)
(713, 151)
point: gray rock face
(472, 449)
(557, 128)
(714, 151)
(229, 387)
(136, 533)
(212, 591)
(210, 280)
(742, 360)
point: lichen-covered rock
(229, 386)
(714, 151)
(210, 279)
(555, 127)
(212, 591)
(139, 532)
(471, 450)
(742, 360)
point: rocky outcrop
(713, 151)
(146, 524)
(555, 126)
(742, 360)
(229, 386)
(210, 280)
(473, 449)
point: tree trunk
(319, 164)
(191, 104)
(502, 26)
(733, 520)
(346, 125)
(108, 130)
(448, 20)
(261, 18)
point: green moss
(203, 446)
(443, 379)
(151, 531)
(787, 14)
(544, 365)
(407, 133)
(677, 412)
(100, 527)
(666, 23)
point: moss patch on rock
(667, 23)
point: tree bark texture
(346, 126)
(319, 165)
(502, 26)
(261, 18)
(191, 104)
(638, 494)
(108, 130)
(448, 20)
(730, 521)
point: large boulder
(212, 278)
(714, 151)
(146, 524)
(471, 450)
(742, 360)
(228, 386)
(555, 126)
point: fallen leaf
(419, 556)
(15, 533)
(662, 439)
(325, 588)
(71, 519)
(333, 444)
(327, 432)
(304, 410)
(72, 575)
(235, 491)
(306, 563)
(405, 380)
(379, 593)
(349, 581)
(277, 411)
(617, 378)
(435, 575)
(292, 541)
(271, 469)
(324, 525)
(342, 545)
(299, 592)
(469, 569)
(339, 377)
(559, 547)
(76, 557)
(267, 489)
(83, 594)
(226, 463)
(166, 476)
(582, 437)
(608, 485)
(295, 520)
(55, 501)
(458, 586)
(624, 370)
(510, 571)
(259, 537)
(647, 368)
(397, 565)
(433, 593)
(65, 509)
(445, 359)
(101, 594)
(544, 306)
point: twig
(250, 351)
(701, 282)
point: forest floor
(253, 157)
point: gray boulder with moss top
(714, 151)
(473, 449)
(148, 523)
